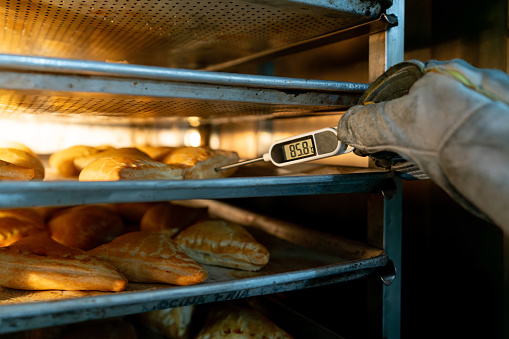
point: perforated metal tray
(172, 33)
(90, 89)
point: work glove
(445, 120)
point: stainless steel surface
(292, 266)
(191, 35)
(57, 193)
(387, 273)
(376, 26)
(71, 88)
(385, 50)
(185, 34)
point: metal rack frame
(385, 50)
(384, 222)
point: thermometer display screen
(299, 148)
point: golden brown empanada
(149, 257)
(227, 320)
(173, 323)
(85, 227)
(169, 219)
(223, 243)
(37, 262)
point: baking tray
(83, 89)
(189, 34)
(264, 181)
(295, 263)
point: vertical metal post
(385, 231)
(387, 48)
(384, 215)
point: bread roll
(148, 257)
(227, 320)
(169, 219)
(223, 243)
(37, 262)
(10, 171)
(201, 162)
(86, 159)
(18, 223)
(173, 323)
(17, 145)
(157, 153)
(116, 168)
(85, 227)
(63, 161)
(16, 164)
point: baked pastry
(157, 153)
(169, 219)
(116, 168)
(223, 243)
(16, 145)
(148, 257)
(17, 164)
(132, 212)
(27, 214)
(173, 323)
(85, 227)
(47, 212)
(18, 223)
(10, 171)
(63, 161)
(201, 162)
(38, 262)
(227, 320)
(86, 159)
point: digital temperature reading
(319, 144)
(299, 149)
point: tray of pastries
(74, 263)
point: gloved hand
(453, 124)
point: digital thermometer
(319, 144)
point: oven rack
(81, 89)
(295, 263)
(192, 34)
(73, 192)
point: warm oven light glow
(45, 136)
(194, 121)
(192, 138)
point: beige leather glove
(454, 125)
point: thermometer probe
(322, 143)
